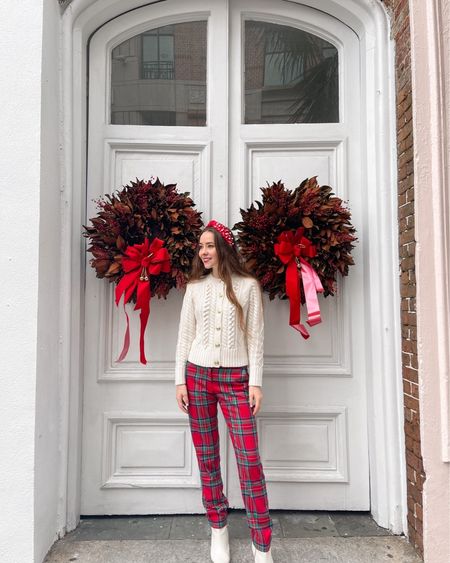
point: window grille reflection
(158, 70)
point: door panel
(137, 450)
(312, 428)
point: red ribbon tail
(301, 329)
(126, 339)
(145, 312)
(126, 286)
(143, 303)
(293, 292)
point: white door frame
(385, 399)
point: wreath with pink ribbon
(296, 242)
(143, 238)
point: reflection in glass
(159, 77)
(291, 76)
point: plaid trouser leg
(234, 402)
(205, 436)
(229, 386)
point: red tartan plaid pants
(229, 387)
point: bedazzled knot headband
(227, 235)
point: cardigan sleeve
(255, 335)
(186, 334)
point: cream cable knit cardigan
(209, 333)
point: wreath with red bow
(296, 242)
(144, 239)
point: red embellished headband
(225, 232)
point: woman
(219, 359)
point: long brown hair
(230, 262)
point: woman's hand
(255, 398)
(182, 398)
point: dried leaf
(120, 243)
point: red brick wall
(190, 51)
(399, 12)
(254, 57)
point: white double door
(137, 455)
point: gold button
(221, 295)
(219, 311)
(218, 327)
(217, 345)
(216, 363)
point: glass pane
(291, 76)
(159, 77)
(166, 48)
(273, 71)
(149, 47)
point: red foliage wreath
(145, 210)
(326, 224)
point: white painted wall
(20, 103)
(30, 264)
(49, 512)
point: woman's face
(207, 251)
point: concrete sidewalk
(299, 537)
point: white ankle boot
(262, 556)
(220, 545)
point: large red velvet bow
(139, 263)
(290, 249)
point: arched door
(212, 97)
